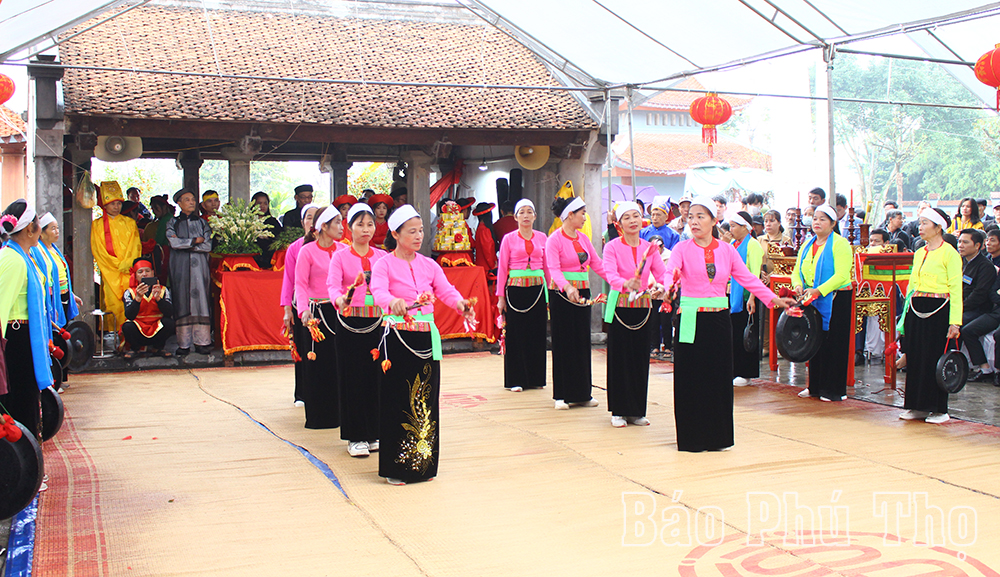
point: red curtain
(439, 188)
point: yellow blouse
(61, 265)
(13, 287)
(939, 271)
(843, 262)
(958, 225)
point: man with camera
(148, 311)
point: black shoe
(203, 349)
(978, 376)
(996, 379)
(183, 352)
(859, 359)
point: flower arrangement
(237, 226)
(288, 235)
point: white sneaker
(740, 382)
(373, 446)
(937, 418)
(618, 422)
(299, 404)
(395, 482)
(44, 487)
(357, 449)
(561, 405)
(640, 421)
(804, 393)
(516, 389)
(911, 415)
(590, 403)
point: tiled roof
(683, 100)
(7, 118)
(308, 46)
(672, 153)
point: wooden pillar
(239, 173)
(83, 258)
(14, 181)
(418, 188)
(191, 163)
(45, 137)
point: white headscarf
(401, 215)
(933, 216)
(523, 203)
(705, 201)
(622, 207)
(736, 218)
(329, 214)
(359, 207)
(827, 210)
(302, 213)
(46, 220)
(573, 206)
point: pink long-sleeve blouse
(621, 260)
(561, 256)
(311, 270)
(690, 259)
(514, 256)
(288, 279)
(393, 277)
(344, 268)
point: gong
(799, 338)
(20, 473)
(751, 336)
(952, 371)
(67, 349)
(52, 413)
(81, 339)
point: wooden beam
(225, 131)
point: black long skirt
(703, 385)
(359, 377)
(524, 358)
(321, 387)
(23, 399)
(925, 340)
(828, 369)
(628, 361)
(300, 336)
(570, 348)
(409, 429)
(745, 364)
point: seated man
(148, 312)
(978, 278)
(993, 247)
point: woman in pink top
(359, 331)
(703, 357)
(293, 325)
(568, 254)
(628, 310)
(312, 299)
(522, 299)
(410, 351)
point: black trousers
(975, 328)
(137, 340)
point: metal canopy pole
(607, 129)
(828, 54)
(631, 146)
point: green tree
(273, 178)
(150, 176)
(910, 152)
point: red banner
(251, 318)
(471, 282)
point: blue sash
(824, 270)
(39, 329)
(735, 288)
(53, 305)
(74, 311)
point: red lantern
(710, 111)
(988, 70)
(6, 88)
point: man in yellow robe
(114, 240)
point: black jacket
(978, 276)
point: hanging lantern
(6, 88)
(710, 111)
(988, 70)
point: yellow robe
(115, 268)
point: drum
(799, 337)
(52, 413)
(20, 473)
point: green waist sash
(689, 314)
(579, 275)
(530, 272)
(435, 333)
